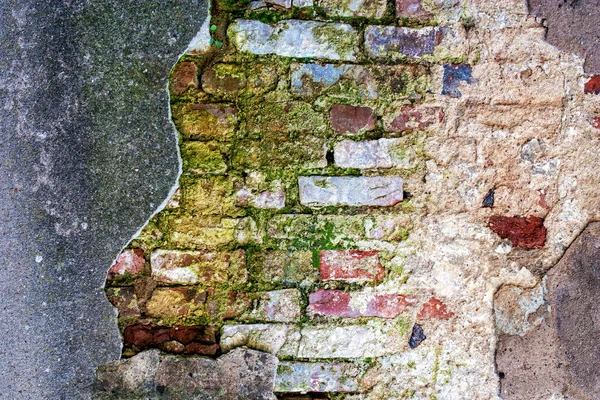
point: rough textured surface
(241, 374)
(560, 355)
(286, 158)
(87, 153)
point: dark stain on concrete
(562, 355)
(572, 26)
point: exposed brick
(319, 377)
(350, 265)
(356, 8)
(129, 262)
(264, 200)
(331, 302)
(295, 38)
(176, 302)
(593, 85)
(453, 76)
(395, 43)
(316, 227)
(382, 153)
(350, 341)
(125, 300)
(411, 9)
(307, 79)
(318, 191)
(526, 232)
(415, 8)
(188, 334)
(434, 309)
(356, 304)
(178, 339)
(387, 305)
(205, 121)
(184, 76)
(346, 119)
(202, 158)
(223, 79)
(280, 266)
(409, 118)
(278, 306)
(233, 304)
(281, 3)
(365, 81)
(265, 337)
(191, 267)
(373, 339)
(201, 349)
(141, 336)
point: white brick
(302, 377)
(295, 38)
(319, 191)
(382, 153)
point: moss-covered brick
(203, 158)
(274, 151)
(209, 196)
(187, 231)
(277, 114)
(224, 79)
(355, 8)
(282, 267)
(176, 303)
(360, 83)
(198, 267)
(205, 121)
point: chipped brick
(350, 265)
(526, 232)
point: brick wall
(359, 177)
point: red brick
(187, 334)
(410, 118)
(129, 262)
(434, 309)
(526, 232)
(346, 119)
(332, 302)
(387, 306)
(339, 304)
(140, 336)
(593, 85)
(184, 75)
(161, 335)
(201, 349)
(350, 265)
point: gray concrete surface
(87, 153)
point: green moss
(203, 158)
(402, 326)
(341, 41)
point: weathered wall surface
(87, 153)
(372, 194)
